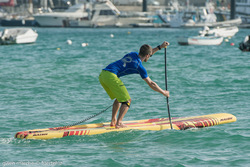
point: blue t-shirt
(129, 64)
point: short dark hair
(145, 50)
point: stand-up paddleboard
(178, 123)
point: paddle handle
(166, 84)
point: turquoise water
(51, 83)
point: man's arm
(163, 45)
(155, 87)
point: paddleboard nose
(22, 135)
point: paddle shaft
(166, 84)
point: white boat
(233, 22)
(219, 31)
(59, 19)
(18, 36)
(189, 16)
(105, 14)
(200, 40)
(200, 17)
(133, 19)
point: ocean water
(51, 84)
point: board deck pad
(178, 123)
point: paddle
(166, 84)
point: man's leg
(123, 111)
(116, 106)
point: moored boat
(105, 14)
(200, 40)
(219, 31)
(17, 36)
(57, 19)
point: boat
(178, 123)
(232, 22)
(200, 40)
(19, 22)
(105, 14)
(17, 36)
(133, 19)
(191, 16)
(202, 16)
(219, 31)
(245, 45)
(59, 19)
(20, 17)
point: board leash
(84, 120)
(166, 84)
(77, 123)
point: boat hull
(18, 36)
(58, 19)
(233, 22)
(199, 40)
(220, 31)
(157, 124)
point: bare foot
(113, 123)
(120, 125)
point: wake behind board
(179, 123)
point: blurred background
(160, 12)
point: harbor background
(50, 84)
(24, 13)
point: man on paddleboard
(131, 63)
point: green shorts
(113, 86)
